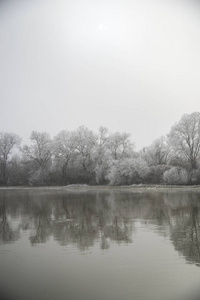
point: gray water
(99, 245)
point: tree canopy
(82, 156)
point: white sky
(129, 65)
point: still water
(107, 245)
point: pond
(102, 245)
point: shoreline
(85, 187)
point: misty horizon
(131, 66)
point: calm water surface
(99, 245)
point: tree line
(85, 157)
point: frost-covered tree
(101, 156)
(155, 175)
(128, 171)
(38, 156)
(184, 138)
(8, 142)
(176, 175)
(120, 145)
(84, 142)
(64, 149)
(157, 153)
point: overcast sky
(129, 65)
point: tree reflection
(87, 218)
(185, 230)
(41, 216)
(7, 233)
(113, 221)
(83, 221)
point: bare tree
(158, 152)
(8, 141)
(100, 156)
(38, 155)
(185, 138)
(85, 142)
(119, 145)
(64, 148)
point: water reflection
(89, 218)
(7, 232)
(185, 227)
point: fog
(130, 66)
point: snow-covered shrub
(176, 175)
(128, 171)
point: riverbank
(85, 187)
